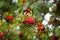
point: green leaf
(57, 31)
(2, 4)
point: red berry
(58, 4)
(24, 22)
(1, 35)
(29, 20)
(31, 24)
(41, 28)
(20, 35)
(39, 24)
(8, 18)
(23, 1)
(54, 37)
(27, 11)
